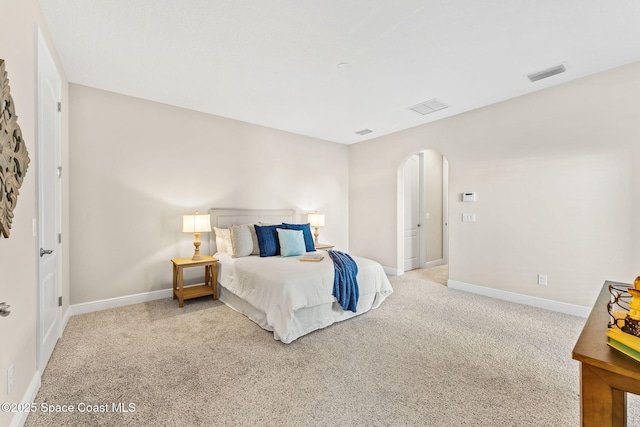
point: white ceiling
(275, 63)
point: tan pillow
(241, 241)
(254, 238)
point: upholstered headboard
(225, 218)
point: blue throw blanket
(345, 285)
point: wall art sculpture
(14, 158)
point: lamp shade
(316, 219)
(198, 223)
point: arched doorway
(423, 211)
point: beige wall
(137, 166)
(553, 173)
(634, 234)
(18, 260)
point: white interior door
(412, 224)
(49, 203)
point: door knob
(44, 252)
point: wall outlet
(542, 279)
(10, 379)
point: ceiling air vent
(534, 77)
(364, 131)
(430, 106)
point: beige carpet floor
(439, 274)
(429, 356)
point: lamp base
(196, 243)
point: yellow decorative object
(632, 321)
(634, 304)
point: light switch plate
(468, 217)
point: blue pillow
(291, 242)
(306, 232)
(268, 239)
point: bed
(282, 294)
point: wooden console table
(605, 374)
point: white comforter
(279, 286)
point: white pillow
(241, 241)
(223, 240)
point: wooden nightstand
(209, 287)
(323, 247)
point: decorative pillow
(223, 240)
(268, 239)
(254, 238)
(291, 242)
(241, 242)
(306, 232)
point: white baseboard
(561, 307)
(20, 418)
(65, 319)
(397, 272)
(89, 307)
(433, 263)
(392, 271)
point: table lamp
(196, 224)
(316, 220)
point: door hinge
(59, 107)
(59, 301)
(59, 171)
(59, 237)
